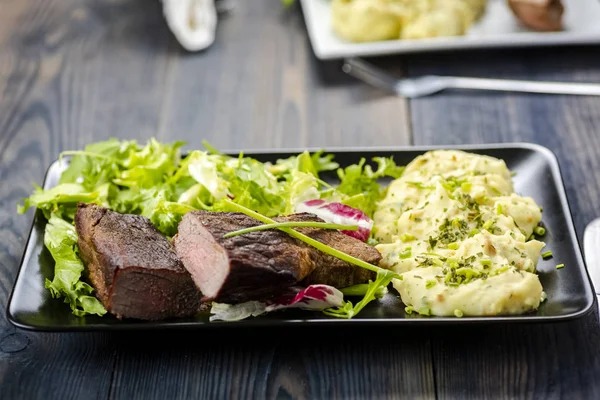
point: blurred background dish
(345, 28)
(374, 20)
(540, 15)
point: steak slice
(133, 267)
(331, 270)
(262, 264)
(246, 267)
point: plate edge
(28, 245)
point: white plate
(498, 28)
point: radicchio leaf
(338, 213)
(313, 297)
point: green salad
(156, 181)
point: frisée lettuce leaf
(60, 238)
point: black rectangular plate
(538, 175)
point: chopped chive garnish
(430, 283)
(452, 262)
(424, 311)
(458, 313)
(407, 237)
(473, 232)
(419, 185)
(488, 224)
(406, 253)
(486, 263)
(539, 230)
(437, 261)
(499, 209)
(547, 254)
(560, 266)
(453, 246)
(465, 187)
(409, 310)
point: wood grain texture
(282, 363)
(77, 71)
(35, 119)
(539, 361)
(259, 86)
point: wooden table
(76, 71)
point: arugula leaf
(324, 162)
(164, 214)
(347, 310)
(60, 238)
(126, 201)
(304, 162)
(253, 186)
(360, 183)
(252, 195)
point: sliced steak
(246, 267)
(133, 267)
(262, 264)
(331, 270)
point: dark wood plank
(259, 86)
(72, 72)
(540, 361)
(291, 363)
(35, 118)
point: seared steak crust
(241, 268)
(133, 267)
(260, 264)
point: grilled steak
(241, 268)
(133, 267)
(331, 270)
(261, 264)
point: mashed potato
(456, 231)
(375, 20)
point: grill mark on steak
(133, 267)
(262, 264)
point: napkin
(193, 22)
